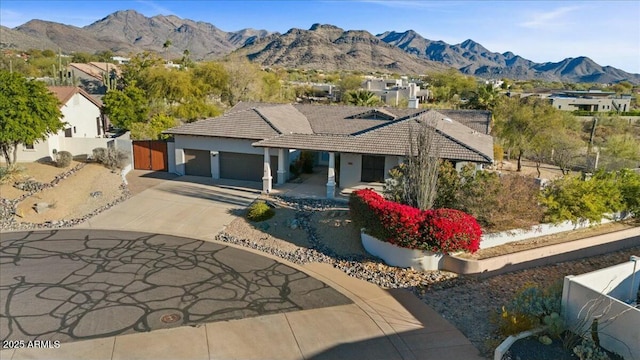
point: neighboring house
(83, 118)
(121, 60)
(257, 141)
(592, 100)
(393, 91)
(91, 76)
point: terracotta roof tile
(64, 93)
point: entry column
(282, 172)
(331, 177)
(266, 175)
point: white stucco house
(84, 122)
(257, 141)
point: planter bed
(544, 255)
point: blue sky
(606, 31)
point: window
(67, 133)
(29, 147)
(372, 169)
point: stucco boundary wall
(501, 238)
(602, 294)
(545, 255)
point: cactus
(109, 79)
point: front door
(372, 168)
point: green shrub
(63, 159)
(112, 158)
(588, 350)
(571, 198)
(530, 308)
(10, 173)
(99, 154)
(260, 211)
(306, 162)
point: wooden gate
(150, 155)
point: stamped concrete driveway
(72, 285)
(186, 206)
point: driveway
(189, 206)
(72, 285)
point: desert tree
(28, 112)
(414, 182)
(244, 80)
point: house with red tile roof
(84, 128)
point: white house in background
(258, 141)
(591, 100)
(84, 122)
(393, 91)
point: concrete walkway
(379, 324)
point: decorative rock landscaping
(363, 267)
(8, 207)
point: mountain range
(321, 47)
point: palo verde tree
(528, 127)
(28, 112)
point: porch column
(331, 181)
(282, 171)
(266, 175)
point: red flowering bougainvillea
(439, 230)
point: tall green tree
(126, 107)
(451, 86)
(28, 112)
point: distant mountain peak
(318, 26)
(322, 46)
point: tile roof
(453, 140)
(244, 124)
(459, 134)
(96, 69)
(478, 120)
(285, 119)
(64, 93)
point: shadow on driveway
(83, 284)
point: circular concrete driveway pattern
(81, 284)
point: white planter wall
(501, 238)
(401, 257)
(599, 294)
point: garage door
(197, 162)
(237, 166)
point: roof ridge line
(462, 143)
(267, 121)
(392, 122)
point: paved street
(72, 285)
